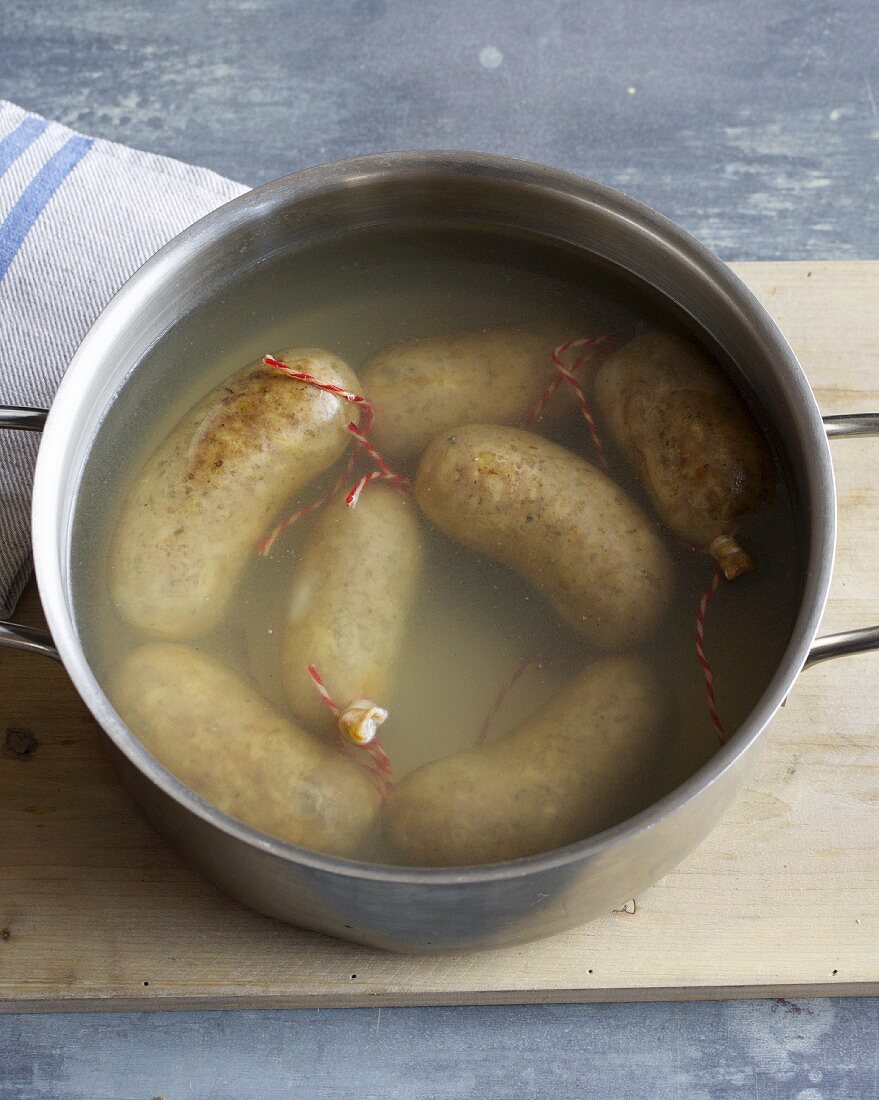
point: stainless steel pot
(398, 908)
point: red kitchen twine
(566, 374)
(382, 472)
(379, 764)
(508, 686)
(703, 660)
(265, 544)
(704, 664)
(361, 435)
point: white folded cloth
(78, 216)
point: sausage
(211, 489)
(351, 596)
(557, 521)
(567, 772)
(424, 387)
(214, 733)
(688, 438)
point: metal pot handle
(847, 426)
(14, 635)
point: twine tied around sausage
(703, 660)
(565, 373)
(357, 726)
(722, 548)
(360, 718)
(360, 431)
(561, 662)
(510, 683)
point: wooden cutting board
(781, 900)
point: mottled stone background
(753, 1050)
(754, 124)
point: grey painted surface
(754, 123)
(743, 1050)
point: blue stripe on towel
(15, 143)
(35, 196)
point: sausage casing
(352, 592)
(214, 732)
(423, 387)
(557, 521)
(570, 770)
(686, 434)
(212, 488)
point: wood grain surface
(781, 899)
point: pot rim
(123, 307)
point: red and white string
(508, 686)
(566, 373)
(703, 660)
(360, 432)
(379, 764)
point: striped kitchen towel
(78, 215)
